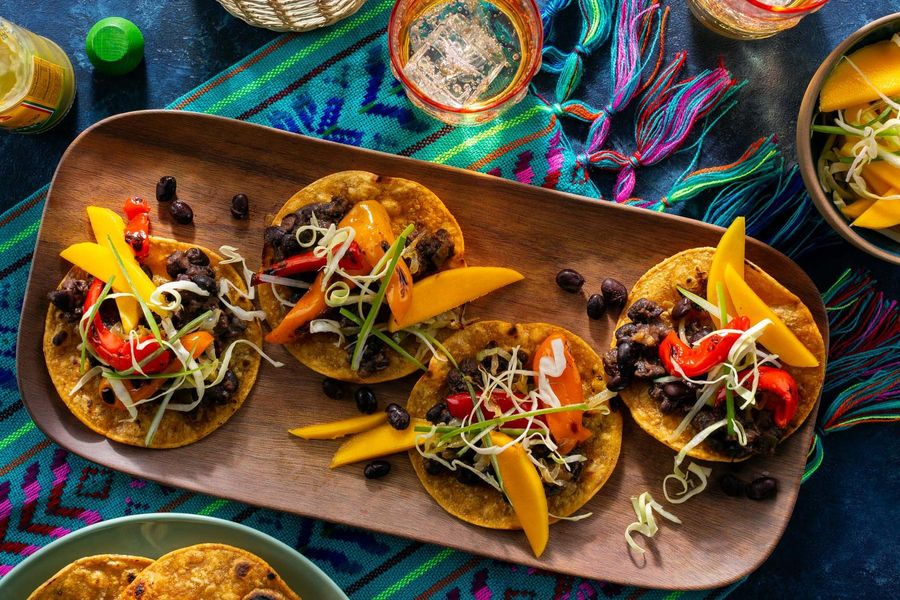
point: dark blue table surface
(840, 541)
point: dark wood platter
(537, 231)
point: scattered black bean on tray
(165, 189)
(596, 306)
(333, 388)
(181, 212)
(376, 469)
(240, 206)
(365, 400)
(570, 280)
(397, 416)
(762, 488)
(614, 293)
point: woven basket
(291, 15)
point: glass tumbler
(752, 19)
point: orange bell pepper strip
(196, 343)
(374, 235)
(565, 427)
(310, 306)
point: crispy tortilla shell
(101, 577)
(406, 202)
(688, 269)
(483, 505)
(209, 572)
(176, 428)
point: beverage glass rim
(394, 53)
(787, 10)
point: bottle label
(40, 103)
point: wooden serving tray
(253, 459)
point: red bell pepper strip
(566, 427)
(460, 406)
(702, 357)
(353, 262)
(137, 232)
(781, 393)
(116, 351)
(136, 206)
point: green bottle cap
(115, 46)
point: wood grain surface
(253, 459)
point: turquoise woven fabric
(334, 84)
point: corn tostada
(714, 357)
(523, 413)
(355, 259)
(150, 341)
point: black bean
(677, 390)
(240, 206)
(681, 309)
(732, 485)
(333, 388)
(60, 337)
(165, 188)
(617, 383)
(206, 283)
(63, 299)
(433, 467)
(397, 416)
(596, 306)
(376, 469)
(181, 212)
(467, 477)
(365, 400)
(762, 488)
(627, 354)
(570, 280)
(196, 256)
(615, 294)
(108, 395)
(439, 413)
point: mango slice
(100, 262)
(730, 251)
(523, 487)
(881, 176)
(845, 88)
(377, 442)
(336, 429)
(851, 211)
(777, 337)
(108, 225)
(881, 214)
(448, 289)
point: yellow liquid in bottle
(37, 83)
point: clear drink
(464, 60)
(752, 19)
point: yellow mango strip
(730, 251)
(108, 225)
(777, 337)
(881, 214)
(377, 442)
(845, 88)
(446, 290)
(100, 262)
(525, 492)
(851, 211)
(335, 429)
(881, 176)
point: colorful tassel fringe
(596, 20)
(666, 117)
(863, 374)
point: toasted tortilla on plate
(407, 202)
(209, 572)
(176, 428)
(483, 505)
(688, 269)
(100, 577)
